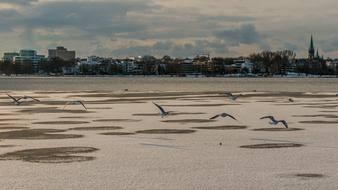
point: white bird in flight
(17, 100)
(224, 115)
(275, 122)
(162, 111)
(76, 102)
(231, 96)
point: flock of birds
(18, 101)
(163, 112)
(232, 97)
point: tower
(311, 49)
(317, 54)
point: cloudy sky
(178, 28)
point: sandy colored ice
(201, 159)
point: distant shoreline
(163, 76)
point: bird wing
(37, 100)
(214, 117)
(160, 108)
(66, 104)
(231, 117)
(82, 104)
(228, 94)
(267, 117)
(284, 123)
(14, 99)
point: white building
(243, 64)
(91, 60)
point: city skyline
(116, 28)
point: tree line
(267, 63)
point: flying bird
(17, 101)
(275, 122)
(291, 100)
(162, 111)
(224, 115)
(231, 96)
(76, 102)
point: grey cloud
(245, 34)
(170, 48)
(7, 16)
(19, 2)
(332, 45)
(227, 18)
(291, 46)
(96, 18)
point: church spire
(311, 49)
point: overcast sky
(178, 28)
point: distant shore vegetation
(266, 63)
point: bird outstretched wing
(228, 94)
(284, 123)
(66, 104)
(82, 104)
(160, 108)
(232, 117)
(267, 117)
(14, 99)
(214, 117)
(35, 99)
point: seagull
(275, 122)
(76, 102)
(15, 100)
(231, 96)
(162, 111)
(224, 115)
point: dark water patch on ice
(37, 134)
(272, 145)
(224, 127)
(51, 155)
(166, 131)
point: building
(313, 55)
(62, 53)
(91, 60)
(28, 59)
(311, 50)
(9, 56)
(316, 63)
